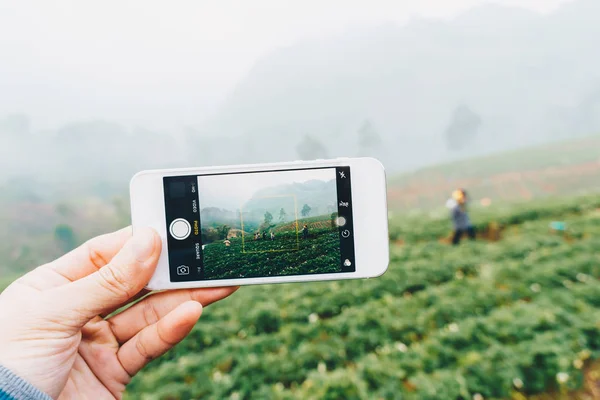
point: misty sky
(166, 64)
(231, 191)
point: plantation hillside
(288, 254)
(509, 318)
(560, 169)
(317, 222)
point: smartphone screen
(259, 224)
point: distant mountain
(211, 215)
(320, 196)
(530, 78)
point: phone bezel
(369, 214)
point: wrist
(13, 387)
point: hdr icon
(183, 270)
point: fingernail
(143, 243)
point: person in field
(305, 232)
(227, 242)
(272, 236)
(460, 218)
(264, 235)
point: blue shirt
(460, 218)
(14, 388)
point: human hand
(54, 330)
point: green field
(514, 317)
(510, 318)
(288, 254)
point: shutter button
(180, 229)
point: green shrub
(443, 322)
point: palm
(96, 371)
(73, 350)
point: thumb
(115, 283)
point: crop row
(382, 328)
(442, 323)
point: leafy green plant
(491, 318)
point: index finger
(128, 323)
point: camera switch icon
(183, 270)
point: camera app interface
(259, 224)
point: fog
(100, 90)
(149, 63)
(233, 191)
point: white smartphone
(266, 223)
